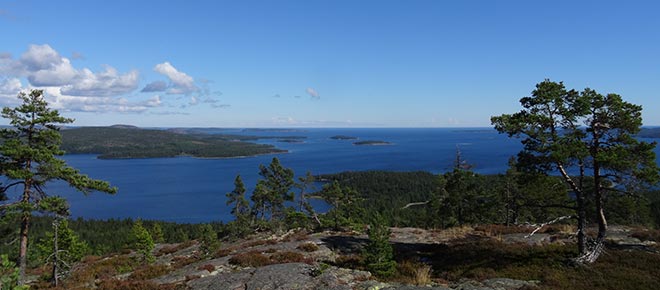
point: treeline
(459, 197)
(120, 142)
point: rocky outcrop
(303, 276)
(283, 277)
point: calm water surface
(187, 189)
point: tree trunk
(22, 253)
(581, 224)
(25, 227)
(56, 252)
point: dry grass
(221, 253)
(415, 273)
(259, 259)
(175, 248)
(289, 257)
(497, 230)
(308, 247)
(647, 235)
(351, 261)
(259, 243)
(250, 259)
(453, 233)
(180, 261)
(102, 269)
(296, 236)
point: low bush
(221, 253)
(308, 247)
(250, 259)
(288, 257)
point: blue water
(187, 189)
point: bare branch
(539, 227)
(416, 204)
(568, 178)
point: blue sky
(322, 63)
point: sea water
(186, 189)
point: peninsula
(117, 142)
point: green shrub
(378, 254)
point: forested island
(371, 142)
(123, 141)
(343, 137)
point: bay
(186, 189)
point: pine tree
(61, 248)
(378, 253)
(277, 183)
(29, 152)
(157, 233)
(593, 135)
(304, 184)
(236, 199)
(143, 243)
(208, 239)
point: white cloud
(153, 102)
(105, 83)
(181, 83)
(9, 66)
(58, 74)
(313, 93)
(98, 104)
(284, 120)
(45, 67)
(9, 89)
(40, 57)
(70, 88)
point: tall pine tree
(29, 161)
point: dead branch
(415, 204)
(539, 227)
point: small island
(296, 141)
(343, 137)
(371, 143)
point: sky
(314, 63)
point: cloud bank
(80, 89)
